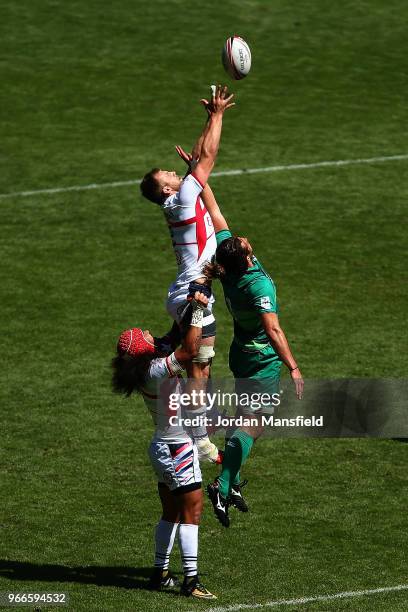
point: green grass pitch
(97, 92)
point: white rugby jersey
(191, 229)
(162, 380)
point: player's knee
(204, 355)
(192, 515)
(192, 518)
(192, 510)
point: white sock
(188, 543)
(164, 539)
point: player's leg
(166, 528)
(190, 505)
(198, 370)
(226, 489)
(198, 373)
(180, 310)
(236, 498)
(186, 488)
(237, 451)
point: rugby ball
(236, 57)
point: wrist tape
(197, 315)
(173, 365)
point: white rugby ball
(236, 57)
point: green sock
(236, 453)
(228, 434)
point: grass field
(96, 93)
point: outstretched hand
(186, 157)
(207, 106)
(221, 100)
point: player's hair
(213, 270)
(151, 188)
(129, 373)
(230, 259)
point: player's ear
(166, 190)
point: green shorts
(257, 371)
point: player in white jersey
(192, 237)
(190, 225)
(193, 240)
(173, 453)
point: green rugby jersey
(247, 296)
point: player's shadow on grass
(123, 577)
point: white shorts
(177, 304)
(176, 464)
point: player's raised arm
(209, 149)
(191, 159)
(191, 342)
(196, 152)
(279, 342)
(211, 205)
(207, 194)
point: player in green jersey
(258, 349)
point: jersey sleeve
(262, 295)
(190, 189)
(222, 235)
(164, 367)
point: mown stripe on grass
(305, 600)
(237, 172)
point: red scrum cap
(132, 342)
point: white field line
(238, 172)
(305, 600)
